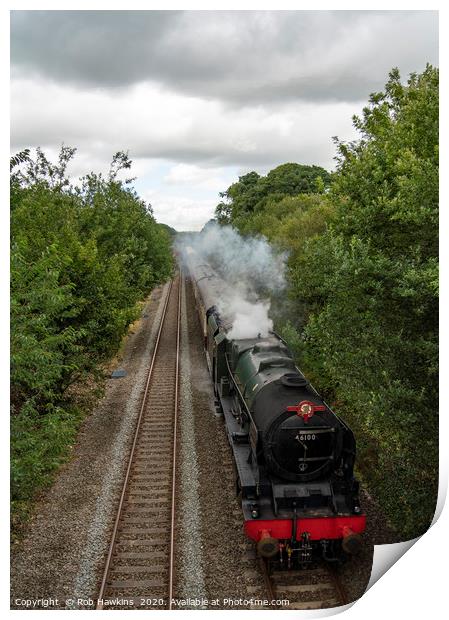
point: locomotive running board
(240, 449)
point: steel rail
(130, 460)
(175, 420)
(338, 585)
(263, 563)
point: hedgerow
(81, 259)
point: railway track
(318, 587)
(139, 566)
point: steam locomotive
(294, 457)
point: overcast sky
(198, 97)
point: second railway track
(140, 562)
(139, 565)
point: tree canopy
(251, 192)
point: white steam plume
(250, 267)
(250, 319)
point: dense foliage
(252, 192)
(81, 258)
(363, 276)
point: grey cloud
(237, 57)
(154, 124)
(271, 150)
(110, 48)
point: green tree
(81, 259)
(247, 197)
(370, 283)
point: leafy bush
(81, 258)
(363, 275)
(371, 283)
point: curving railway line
(139, 570)
(140, 561)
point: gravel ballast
(62, 555)
(190, 578)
